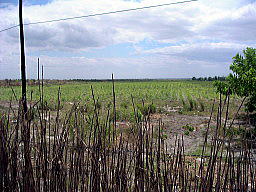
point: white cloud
(205, 33)
(158, 23)
(235, 25)
(213, 52)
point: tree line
(215, 78)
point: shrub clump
(188, 128)
(147, 109)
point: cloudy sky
(176, 41)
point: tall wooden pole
(29, 183)
(22, 61)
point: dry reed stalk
(84, 152)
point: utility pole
(22, 61)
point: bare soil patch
(176, 125)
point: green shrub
(188, 128)
(137, 115)
(236, 131)
(183, 103)
(186, 132)
(152, 108)
(164, 136)
(250, 106)
(202, 106)
(192, 104)
(147, 109)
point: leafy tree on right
(242, 80)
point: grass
(195, 97)
(152, 90)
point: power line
(10, 28)
(98, 14)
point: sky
(176, 41)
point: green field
(191, 96)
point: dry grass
(77, 151)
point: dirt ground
(175, 125)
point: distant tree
(242, 80)
(193, 78)
(221, 78)
(210, 78)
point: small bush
(137, 115)
(192, 104)
(164, 136)
(202, 106)
(147, 109)
(186, 132)
(152, 108)
(250, 106)
(183, 103)
(236, 131)
(188, 128)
